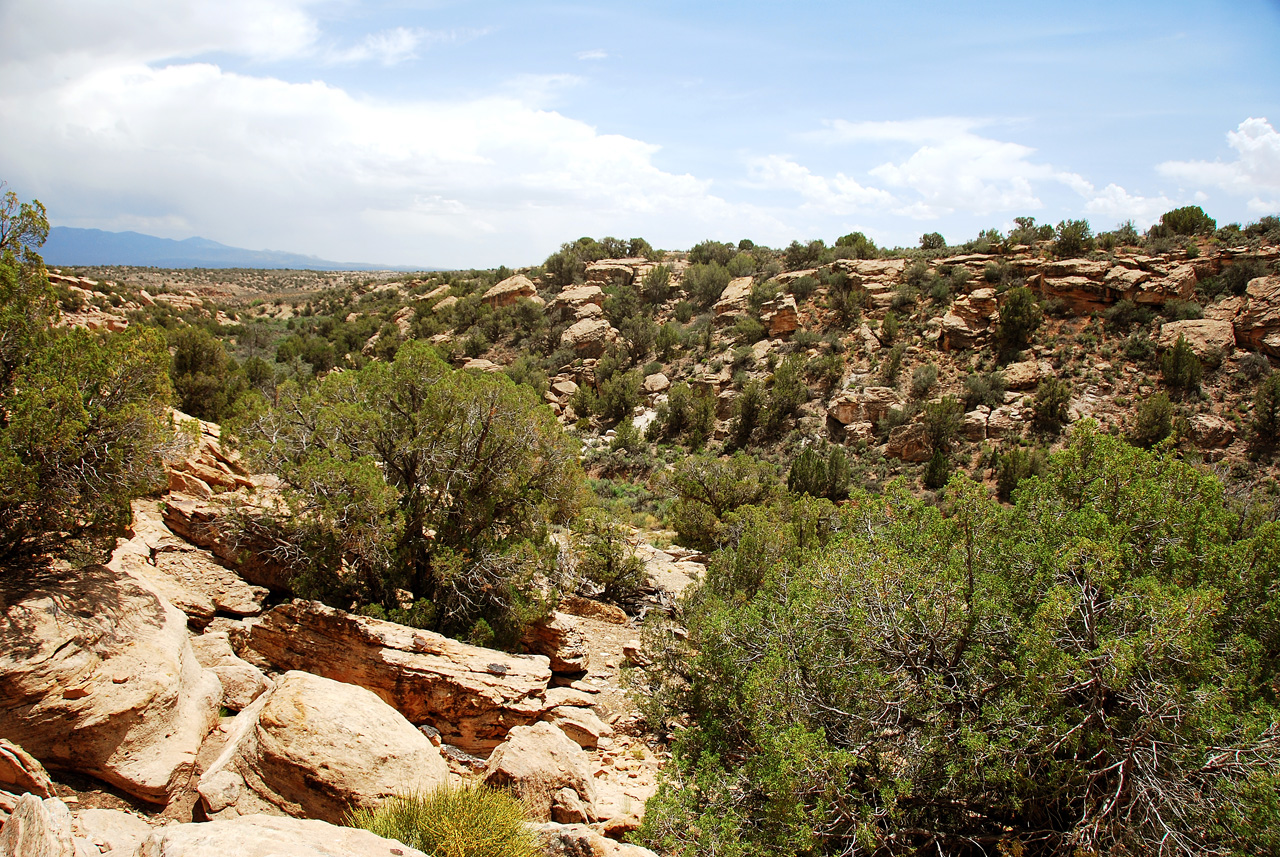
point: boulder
(38, 828)
(1257, 325)
(537, 761)
(845, 408)
(472, 695)
(445, 304)
(656, 383)
(736, 298)
(908, 443)
(242, 682)
(20, 772)
(1004, 421)
(316, 747)
(1210, 431)
(1025, 375)
(509, 291)
(559, 638)
(611, 271)
(110, 831)
(269, 836)
(779, 316)
(575, 298)
(1179, 283)
(589, 337)
(580, 725)
(97, 675)
(579, 840)
(1202, 334)
(876, 402)
(589, 608)
(205, 523)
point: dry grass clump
(454, 821)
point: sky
(462, 133)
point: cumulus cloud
(839, 195)
(1117, 205)
(129, 133)
(1254, 173)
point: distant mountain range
(75, 247)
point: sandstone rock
(591, 609)
(111, 831)
(845, 408)
(242, 682)
(537, 761)
(479, 364)
(736, 298)
(509, 291)
(185, 576)
(974, 427)
(779, 316)
(20, 772)
(437, 292)
(38, 828)
(316, 747)
(204, 523)
(1209, 431)
(589, 337)
(559, 638)
(580, 725)
(579, 840)
(1081, 294)
(269, 836)
(403, 320)
(1022, 376)
(564, 388)
(1179, 283)
(611, 271)
(471, 694)
(859, 432)
(968, 320)
(1257, 326)
(1004, 421)
(572, 300)
(1202, 334)
(876, 402)
(97, 675)
(445, 304)
(908, 443)
(656, 383)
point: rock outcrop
(97, 675)
(549, 772)
(1257, 326)
(316, 747)
(1202, 334)
(559, 638)
(473, 696)
(589, 337)
(579, 840)
(38, 828)
(20, 773)
(269, 836)
(735, 300)
(908, 443)
(242, 682)
(509, 291)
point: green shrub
(855, 245)
(1072, 237)
(705, 283)
(1180, 366)
(1016, 465)
(1053, 395)
(606, 560)
(889, 328)
(985, 389)
(799, 256)
(820, 473)
(749, 410)
(711, 252)
(1266, 412)
(1154, 421)
(937, 471)
(1020, 317)
(892, 365)
(924, 380)
(747, 329)
(454, 821)
(1188, 220)
(1178, 310)
(1027, 232)
(932, 241)
(942, 421)
(708, 488)
(656, 285)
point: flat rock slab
(269, 836)
(472, 695)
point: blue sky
(485, 133)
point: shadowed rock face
(97, 674)
(473, 696)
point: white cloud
(1118, 205)
(1255, 171)
(388, 47)
(839, 195)
(595, 54)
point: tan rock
(592, 609)
(614, 271)
(38, 828)
(242, 682)
(537, 761)
(1210, 431)
(472, 695)
(445, 304)
(111, 832)
(877, 401)
(97, 675)
(974, 427)
(559, 638)
(20, 772)
(580, 725)
(589, 337)
(1004, 421)
(269, 836)
(1179, 283)
(1202, 334)
(509, 291)
(576, 297)
(859, 432)
(908, 443)
(656, 383)
(204, 523)
(736, 298)
(779, 316)
(1021, 376)
(1257, 326)
(316, 747)
(579, 840)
